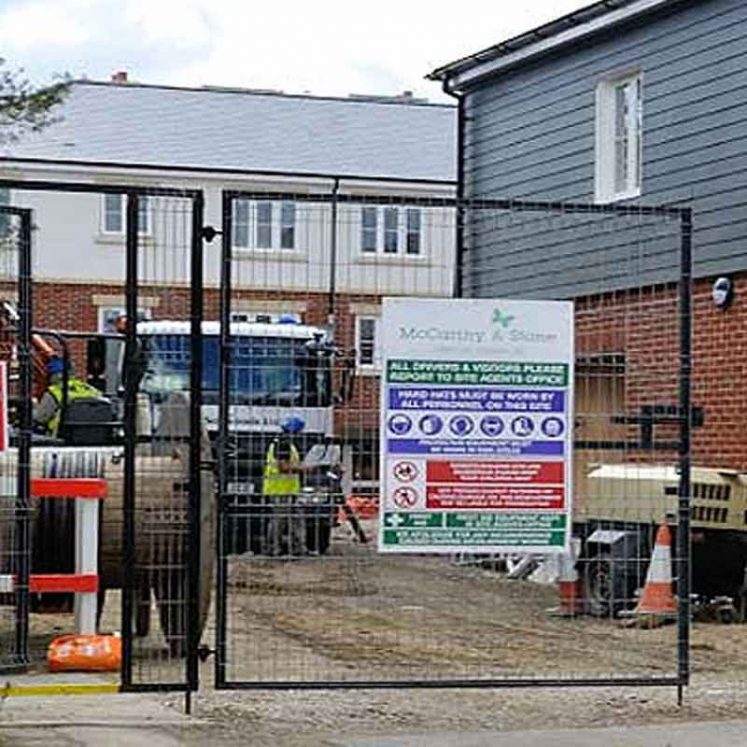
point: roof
(240, 329)
(233, 130)
(568, 29)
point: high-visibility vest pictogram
(76, 389)
(276, 482)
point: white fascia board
(48, 169)
(461, 80)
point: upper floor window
(619, 139)
(391, 230)
(114, 214)
(264, 224)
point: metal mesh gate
(304, 600)
(127, 328)
(15, 504)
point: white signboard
(476, 426)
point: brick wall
(644, 326)
(72, 307)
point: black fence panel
(304, 600)
(15, 500)
(141, 433)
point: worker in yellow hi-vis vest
(281, 485)
(48, 411)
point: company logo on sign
(503, 319)
(504, 330)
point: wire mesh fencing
(15, 506)
(303, 596)
(120, 417)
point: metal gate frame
(132, 193)
(22, 508)
(682, 418)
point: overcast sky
(318, 46)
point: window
(5, 220)
(241, 223)
(412, 243)
(619, 139)
(367, 343)
(114, 214)
(369, 230)
(263, 224)
(288, 225)
(391, 230)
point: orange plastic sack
(85, 653)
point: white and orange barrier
(84, 582)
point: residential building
(625, 102)
(284, 152)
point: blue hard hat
(293, 425)
(55, 366)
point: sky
(323, 47)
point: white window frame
(384, 231)
(142, 230)
(265, 317)
(276, 226)
(374, 366)
(606, 173)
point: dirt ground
(353, 615)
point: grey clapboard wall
(530, 134)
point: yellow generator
(618, 508)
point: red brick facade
(73, 307)
(643, 327)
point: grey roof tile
(247, 131)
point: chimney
(119, 77)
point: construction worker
(281, 484)
(48, 411)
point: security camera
(723, 292)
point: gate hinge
(204, 653)
(209, 233)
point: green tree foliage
(25, 107)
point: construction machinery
(618, 510)
(275, 370)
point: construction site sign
(476, 425)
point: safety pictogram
(405, 471)
(405, 497)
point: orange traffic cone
(657, 597)
(570, 601)
(569, 591)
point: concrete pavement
(702, 734)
